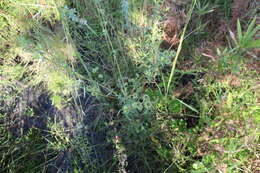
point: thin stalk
(110, 45)
(180, 46)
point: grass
(180, 46)
(90, 86)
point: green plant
(180, 46)
(202, 8)
(136, 106)
(247, 40)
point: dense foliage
(129, 86)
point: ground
(129, 86)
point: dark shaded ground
(33, 109)
(37, 101)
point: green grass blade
(253, 44)
(188, 106)
(251, 26)
(180, 46)
(239, 31)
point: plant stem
(180, 46)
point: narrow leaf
(253, 44)
(251, 25)
(250, 30)
(188, 106)
(239, 31)
(255, 30)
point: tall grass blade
(180, 46)
(239, 31)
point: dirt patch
(173, 24)
(172, 29)
(231, 80)
(186, 90)
(239, 9)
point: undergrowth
(129, 86)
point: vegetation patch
(129, 86)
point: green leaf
(257, 116)
(246, 40)
(251, 26)
(239, 31)
(253, 44)
(175, 106)
(188, 106)
(250, 31)
(57, 101)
